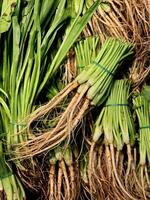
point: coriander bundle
(141, 106)
(116, 124)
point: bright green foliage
(35, 38)
(115, 119)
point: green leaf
(5, 22)
(3, 92)
(71, 36)
(6, 12)
(5, 107)
(8, 7)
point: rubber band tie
(6, 175)
(145, 127)
(118, 104)
(103, 68)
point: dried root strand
(95, 181)
(116, 175)
(100, 168)
(72, 182)
(67, 189)
(108, 188)
(112, 186)
(120, 165)
(52, 138)
(132, 183)
(91, 168)
(59, 182)
(129, 165)
(43, 110)
(52, 182)
(108, 161)
(143, 181)
(147, 177)
(128, 19)
(78, 180)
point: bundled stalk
(141, 106)
(92, 84)
(115, 123)
(10, 186)
(86, 50)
